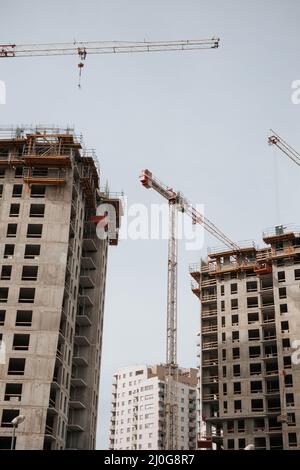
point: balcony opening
(6, 273)
(21, 342)
(29, 273)
(24, 318)
(13, 392)
(26, 295)
(37, 210)
(34, 230)
(9, 251)
(32, 251)
(11, 230)
(16, 366)
(7, 417)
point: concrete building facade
(52, 288)
(249, 369)
(138, 408)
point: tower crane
(82, 49)
(177, 202)
(275, 139)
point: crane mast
(275, 139)
(177, 202)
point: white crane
(275, 139)
(177, 202)
(82, 49)
(103, 47)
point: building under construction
(138, 414)
(249, 370)
(52, 287)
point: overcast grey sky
(199, 120)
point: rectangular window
(253, 335)
(237, 389)
(14, 210)
(6, 273)
(7, 417)
(24, 318)
(251, 286)
(252, 318)
(256, 387)
(16, 366)
(13, 392)
(234, 304)
(233, 288)
(292, 439)
(26, 295)
(2, 172)
(234, 320)
(257, 405)
(9, 251)
(283, 308)
(255, 369)
(34, 230)
(235, 353)
(17, 190)
(37, 190)
(284, 327)
(281, 276)
(3, 294)
(29, 273)
(223, 321)
(11, 230)
(2, 317)
(222, 305)
(282, 292)
(235, 336)
(237, 405)
(21, 342)
(37, 210)
(1, 190)
(19, 172)
(32, 251)
(222, 290)
(297, 274)
(236, 370)
(254, 351)
(252, 302)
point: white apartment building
(138, 408)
